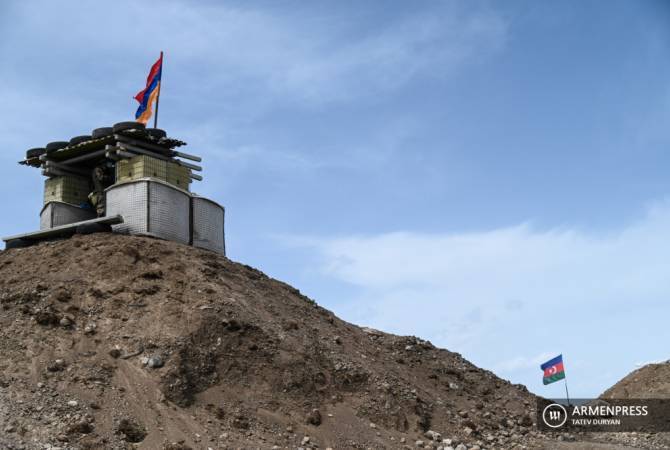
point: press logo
(554, 415)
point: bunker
(126, 179)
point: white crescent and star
(552, 370)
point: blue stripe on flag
(147, 95)
(552, 362)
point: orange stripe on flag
(146, 115)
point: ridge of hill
(649, 381)
(111, 341)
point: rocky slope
(650, 381)
(114, 342)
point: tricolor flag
(150, 93)
(553, 370)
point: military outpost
(126, 179)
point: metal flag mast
(565, 380)
(158, 96)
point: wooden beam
(87, 156)
(190, 166)
(66, 168)
(146, 145)
(141, 151)
(187, 156)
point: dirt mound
(650, 381)
(110, 341)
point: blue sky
(491, 176)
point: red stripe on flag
(553, 370)
(152, 73)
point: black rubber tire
(122, 126)
(79, 139)
(35, 152)
(56, 145)
(102, 132)
(156, 133)
(17, 243)
(90, 228)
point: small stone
(56, 366)
(72, 403)
(90, 328)
(526, 421)
(419, 444)
(62, 295)
(115, 353)
(131, 431)
(81, 427)
(305, 440)
(155, 362)
(314, 417)
(433, 435)
(337, 340)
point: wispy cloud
(494, 294)
(280, 53)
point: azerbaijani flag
(149, 94)
(553, 370)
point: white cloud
(283, 53)
(495, 294)
(518, 262)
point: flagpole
(565, 380)
(158, 96)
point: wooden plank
(145, 145)
(85, 157)
(63, 230)
(141, 151)
(67, 168)
(69, 153)
(157, 148)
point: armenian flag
(553, 370)
(150, 93)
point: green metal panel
(67, 189)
